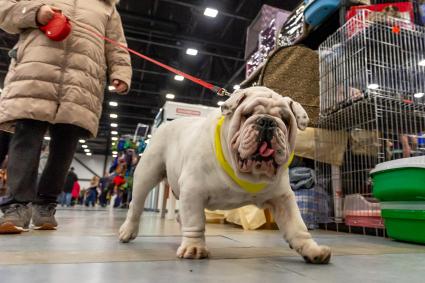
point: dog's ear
(233, 102)
(299, 113)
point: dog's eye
(285, 120)
(247, 115)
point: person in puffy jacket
(56, 87)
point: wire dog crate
(372, 109)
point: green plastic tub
(400, 180)
(405, 221)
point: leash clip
(221, 91)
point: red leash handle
(218, 90)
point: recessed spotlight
(114, 133)
(89, 154)
(114, 155)
(419, 95)
(192, 52)
(236, 87)
(373, 86)
(179, 78)
(422, 63)
(86, 150)
(210, 12)
(170, 96)
(149, 136)
(115, 152)
(114, 125)
(220, 103)
(114, 144)
(113, 103)
(82, 141)
(84, 146)
(113, 116)
(111, 88)
(114, 138)
(47, 138)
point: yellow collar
(247, 186)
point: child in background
(91, 197)
(75, 193)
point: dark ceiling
(164, 29)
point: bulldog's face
(261, 132)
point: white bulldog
(227, 160)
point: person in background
(91, 197)
(71, 178)
(103, 190)
(56, 87)
(75, 193)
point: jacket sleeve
(118, 59)
(17, 15)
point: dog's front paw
(192, 248)
(128, 231)
(317, 254)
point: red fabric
(118, 180)
(76, 190)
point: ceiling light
(114, 155)
(192, 52)
(115, 152)
(149, 136)
(114, 125)
(114, 133)
(373, 86)
(236, 87)
(113, 103)
(210, 12)
(170, 96)
(179, 78)
(220, 103)
(84, 146)
(114, 138)
(422, 63)
(419, 95)
(88, 154)
(82, 141)
(86, 150)
(113, 144)
(113, 116)
(47, 138)
(111, 88)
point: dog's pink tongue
(265, 151)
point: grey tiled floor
(85, 249)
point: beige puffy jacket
(61, 82)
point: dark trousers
(4, 145)
(24, 158)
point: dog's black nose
(265, 122)
(267, 126)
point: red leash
(59, 28)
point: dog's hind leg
(149, 172)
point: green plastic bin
(400, 180)
(405, 221)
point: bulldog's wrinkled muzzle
(266, 129)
